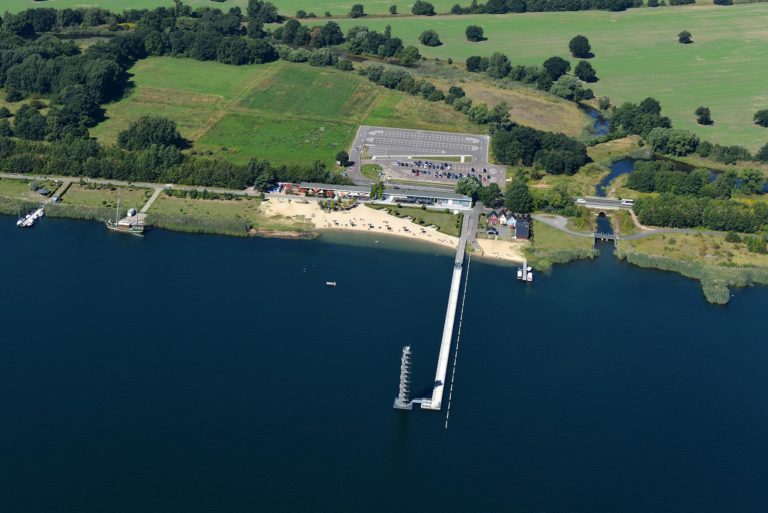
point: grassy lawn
(636, 55)
(446, 222)
(697, 248)
(106, 196)
(287, 113)
(608, 152)
(626, 226)
(216, 215)
(371, 171)
(18, 189)
(241, 136)
(547, 237)
(580, 184)
(399, 110)
(531, 107)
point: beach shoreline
(368, 220)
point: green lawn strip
(447, 223)
(371, 171)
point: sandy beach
(360, 218)
(364, 219)
(509, 251)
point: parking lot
(439, 172)
(424, 156)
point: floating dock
(29, 220)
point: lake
(207, 374)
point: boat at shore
(30, 219)
(132, 224)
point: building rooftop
(333, 187)
(427, 194)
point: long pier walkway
(436, 401)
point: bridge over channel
(598, 203)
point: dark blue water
(206, 374)
(602, 125)
(618, 168)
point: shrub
(703, 116)
(430, 38)
(421, 8)
(761, 117)
(685, 37)
(580, 47)
(585, 72)
(474, 33)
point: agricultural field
(284, 112)
(285, 7)
(636, 55)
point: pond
(602, 126)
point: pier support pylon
(403, 399)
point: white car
(581, 200)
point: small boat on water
(330, 283)
(30, 219)
(525, 273)
(131, 224)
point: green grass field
(106, 196)
(636, 55)
(284, 112)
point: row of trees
(362, 41)
(661, 176)
(520, 6)
(153, 163)
(551, 76)
(679, 211)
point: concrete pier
(436, 401)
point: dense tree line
(551, 76)
(401, 80)
(639, 118)
(662, 176)
(557, 153)
(361, 40)
(679, 211)
(155, 163)
(520, 6)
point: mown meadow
(636, 55)
(283, 112)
